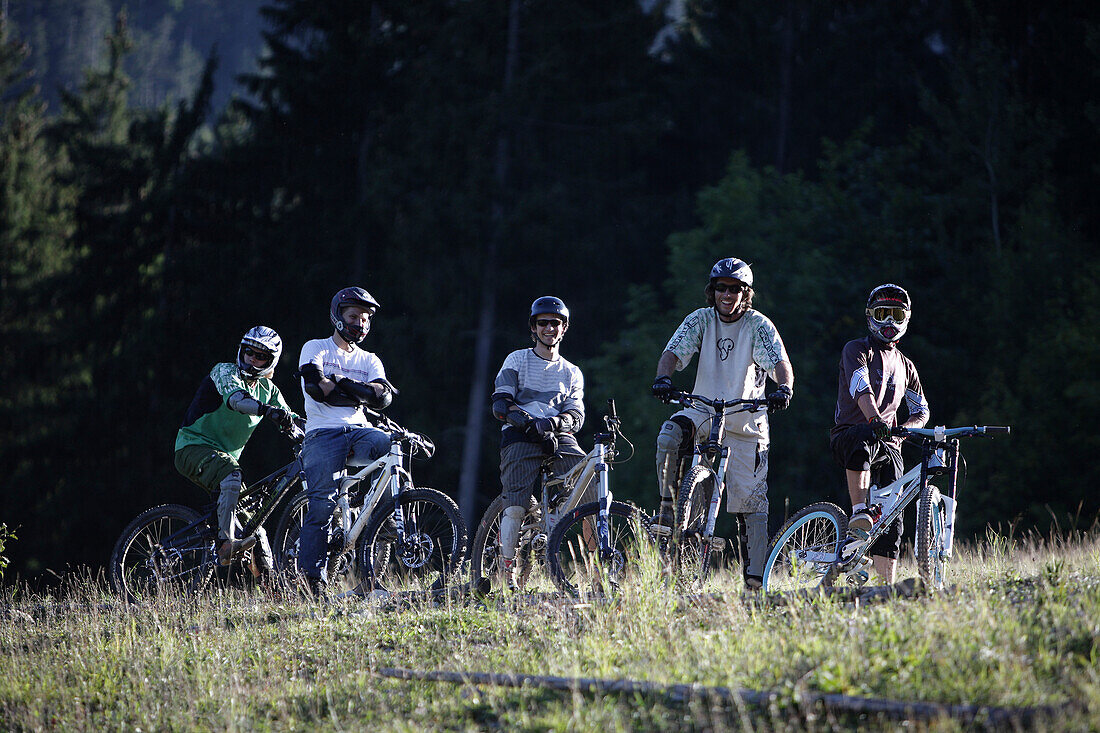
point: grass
(1019, 629)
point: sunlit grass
(1018, 628)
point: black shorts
(854, 450)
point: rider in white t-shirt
(338, 377)
(738, 349)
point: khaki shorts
(746, 476)
(205, 465)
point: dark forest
(173, 172)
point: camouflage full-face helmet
(262, 341)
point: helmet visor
(882, 312)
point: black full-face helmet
(261, 340)
(888, 310)
(548, 304)
(349, 297)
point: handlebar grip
(998, 429)
(611, 409)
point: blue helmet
(548, 304)
(732, 267)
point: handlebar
(690, 400)
(940, 433)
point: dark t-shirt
(866, 367)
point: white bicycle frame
(577, 481)
(394, 477)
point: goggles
(883, 312)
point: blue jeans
(325, 453)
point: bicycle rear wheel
(576, 563)
(693, 547)
(805, 551)
(166, 548)
(931, 541)
(431, 552)
(530, 547)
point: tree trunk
(478, 405)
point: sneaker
(233, 548)
(753, 582)
(861, 521)
(664, 520)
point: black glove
(277, 415)
(879, 429)
(780, 399)
(662, 388)
(549, 443)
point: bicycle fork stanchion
(603, 488)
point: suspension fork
(395, 487)
(603, 496)
(950, 502)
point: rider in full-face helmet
(539, 398)
(339, 377)
(878, 388)
(739, 349)
(227, 407)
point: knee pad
(673, 443)
(229, 490)
(756, 537)
(510, 522)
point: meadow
(1012, 644)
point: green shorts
(205, 465)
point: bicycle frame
(395, 477)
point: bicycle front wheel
(931, 541)
(804, 553)
(693, 546)
(166, 548)
(576, 561)
(429, 554)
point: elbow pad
(382, 401)
(364, 394)
(311, 382)
(242, 402)
(569, 421)
(502, 403)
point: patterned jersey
(362, 366)
(540, 387)
(884, 373)
(735, 360)
(210, 422)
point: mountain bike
(174, 547)
(699, 498)
(808, 551)
(554, 505)
(594, 547)
(386, 532)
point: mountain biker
(738, 349)
(539, 396)
(338, 377)
(875, 381)
(229, 404)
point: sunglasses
(547, 322)
(723, 287)
(261, 355)
(882, 312)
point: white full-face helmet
(888, 310)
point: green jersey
(210, 422)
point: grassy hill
(1018, 634)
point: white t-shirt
(735, 360)
(362, 366)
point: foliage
(6, 536)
